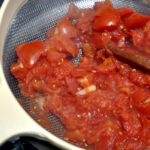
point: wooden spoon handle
(136, 58)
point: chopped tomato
(137, 77)
(119, 39)
(72, 84)
(38, 85)
(89, 50)
(84, 23)
(62, 44)
(108, 133)
(138, 37)
(29, 53)
(125, 11)
(146, 41)
(55, 56)
(69, 46)
(54, 103)
(65, 27)
(141, 100)
(147, 26)
(19, 70)
(64, 69)
(101, 4)
(128, 143)
(87, 64)
(102, 39)
(73, 12)
(106, 18)
(136, 20)
(106, 67)
(129, 120)
(41, 69)
(141, 40)
(50, 33)
(75, 135)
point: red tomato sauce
(103, 102)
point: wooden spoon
(131, 56)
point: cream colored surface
(13, 119)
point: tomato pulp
(103, 102)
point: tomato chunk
(147, 26)
(125, 11)
(106, 18)
(55, 56)
(100, 4)
(19, 70)
(141, 100)
(29, 53)
(62, 44)
(141, 40)
(66, 28)
(106, 67)
(136, 20)
(102, 39)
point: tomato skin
(65, 27)
(69, 46)
(106, 18)
(136, 20)
(29, 53)
(62, 44)
(61, 38)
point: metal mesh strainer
(32, 22)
